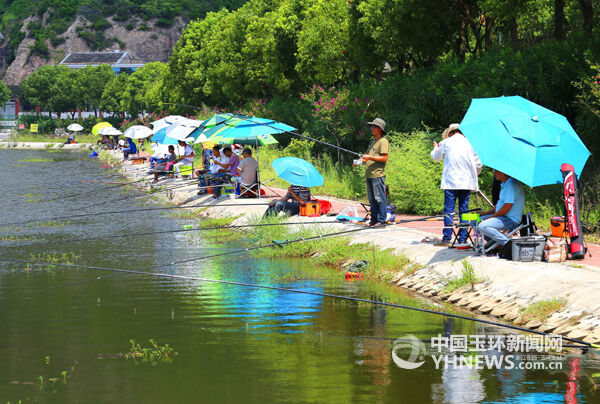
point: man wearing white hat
(375, 160)
(459, 178)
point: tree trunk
(587, 9)
(559, 19)
(514, 33)
(487, 35)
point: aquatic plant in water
(154, 353)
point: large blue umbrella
(297, 171)
(247, 130)
(522, 139)
(162, 137)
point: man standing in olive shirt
(375, 160)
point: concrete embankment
(44, 145)
(505, 289)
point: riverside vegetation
(327, 67)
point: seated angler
(299, 196)
(508, 212)
(162, 167)
(247, 170)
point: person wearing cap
(459, 177)
(375, 160)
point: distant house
(119, 61)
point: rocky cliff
(149, 45)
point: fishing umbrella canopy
(182, 129)
(297, 171)
(166, 122)
(161, 137)
(522, 139)
(248, 130)
(110, 131)
(200, 135)
(75, 127)
(138, 132)
(99, 126)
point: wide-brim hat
(378, 122)
(452, 128)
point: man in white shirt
(459, 177)
(186, 160)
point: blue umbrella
(297, 171)
(247, 130)
(522, 139)
(162, 137)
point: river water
(64, 331)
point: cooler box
(528, 249)
(558, 226)
(310, 209)
(229, 189)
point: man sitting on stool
(299, 196)
(508, 212)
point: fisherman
(508, 212)
(459, 177)
(132, 149)
(186, 160)
(375, 160)
(162, 167)
(228, 165)
(299, 196)
(247, 170)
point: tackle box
(311, 209)
(528, 249)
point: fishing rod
(149, 194)
(185, 230)
(243, 117)
(146, 272)
(81, 215)
(61, 185)
(85, 192)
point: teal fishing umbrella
(522, 139)
(248, 130)
(297, 171)
(209, 127)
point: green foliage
(154, 354)
(468, 278)
(4, 93)
(543, 309)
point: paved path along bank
(508, 287)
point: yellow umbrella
(99, 126)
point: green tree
(91, 82)
(38, 86)
(144, 88)
(113, 96)
(4, 93)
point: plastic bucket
(558, 226)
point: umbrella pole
(258, 161)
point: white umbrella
(110, 131)
(165, 122)
(183, 129)
(138, 132)
(75, 127)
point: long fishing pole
(128, 198)
(186, 230)
(279, 130)
(81, 215)
(291, 290)
(61, 185)
(86, 192)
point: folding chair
(252, 190)
(526, 228)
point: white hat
(378, 122)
